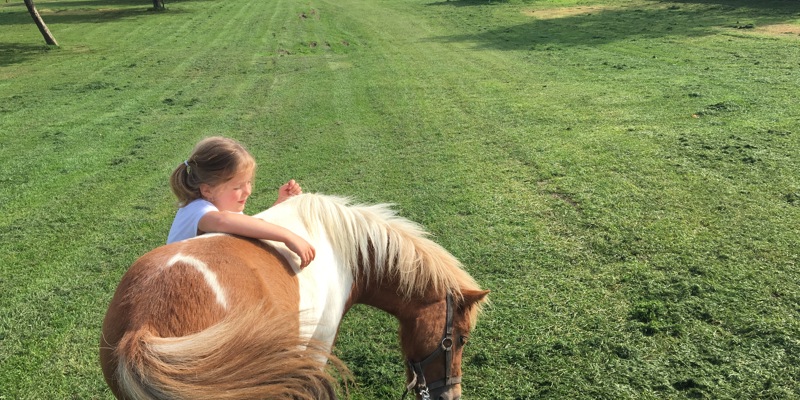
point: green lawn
(623, 175)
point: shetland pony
(225, 317)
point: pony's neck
(385, 296)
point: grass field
(623, 175)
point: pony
(226, 317)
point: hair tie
(188, 168)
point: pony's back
(210, 318)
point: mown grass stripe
(623, 178)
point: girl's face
(231, 195)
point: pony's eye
(463, 340)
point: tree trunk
(158, 5)
(48, 37)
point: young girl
(212, 187)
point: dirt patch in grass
(562, 12)
(779, 29)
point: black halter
(418, 383)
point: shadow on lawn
(146, 4)
(93, 3)
(13, 53)
(593, 26)
(785, 5)
(100, 11)
(466, 3)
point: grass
(623, 175)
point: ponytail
(183, 185)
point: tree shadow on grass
(13, 53)
(595, 26)
(466, 3)
(81, 15)
(108, 3)
(92, 3)
(86, 11)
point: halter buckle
(447, 343)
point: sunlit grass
(623, 175)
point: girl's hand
(303, 249)
(288, 189)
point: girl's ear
(205, 191)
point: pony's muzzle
(448, 397)
(452, 393)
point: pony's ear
(474, 296)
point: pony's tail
(245, 356)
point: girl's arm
(245, 225)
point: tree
(158, 5)
(48, 37)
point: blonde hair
(214, 160)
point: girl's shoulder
(197, 207)
(199, 204)
(185, 224)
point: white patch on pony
(208, 275)
(325, 284)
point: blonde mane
(395, 246)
